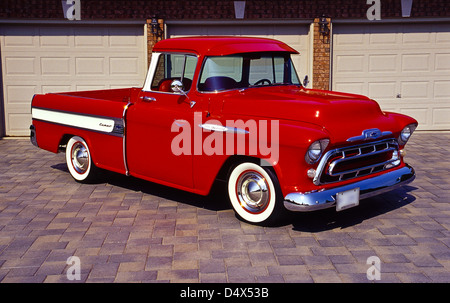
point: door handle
(148, 99)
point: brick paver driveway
(128, 230)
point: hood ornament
(369, 134)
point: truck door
(152, 119)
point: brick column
(321, 58)
(152, 39)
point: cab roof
(221, 45)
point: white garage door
(60, 58)
(294, 35)
(406, 68)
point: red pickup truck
(234, 109)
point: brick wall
(321, 58)
(211, 10)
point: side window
(174, 67)
(221, 73)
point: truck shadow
(217, 200)
(318, 221)
(329, 219)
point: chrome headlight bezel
(315, 150)
(406, 133)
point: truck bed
(120, 94)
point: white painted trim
(311, 56)
(151, 72)
(76, 120)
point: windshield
(247, 70)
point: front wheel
(254, 193)
(79, 160)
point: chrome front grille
(356, 161)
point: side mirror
(305, 81)
(177, 87)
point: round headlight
(315, 151)
(406, 134)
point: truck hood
(342, 115)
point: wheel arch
(234, 160)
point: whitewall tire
(253, 192)
(79, 160)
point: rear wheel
(254, 193)
(79, 160)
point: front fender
(289, 160)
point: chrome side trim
(326, 198)
(124, 141)
(224, 129)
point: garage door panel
(441, 91)
(441, 117)
(92, 42)
(90, 66)
(19, 94)
(90, 87)
(421, 114)
(404, 67)
(19, 66)
(414, 89)
(416, 63)
(18, 41)
(54, 37)
(350, 64)
(124, 66)
(16, 121)
(47, 58)
(416, 34)
(382, 90)
(443, 38)
(55, 88)
(383, 63)
(442, 62)
(385, 39)
(56, 66)
(352, 87)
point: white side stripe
(92, 123)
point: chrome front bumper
(370, 187)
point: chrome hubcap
(253, 192)
(80, 158)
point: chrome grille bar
(327, 170)
(334, 163)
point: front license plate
(347, 199)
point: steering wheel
(262, 81)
